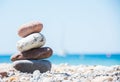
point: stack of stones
(32, 52)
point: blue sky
(76, 26)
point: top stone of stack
(29, 28)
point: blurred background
(70, 26)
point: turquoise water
(75, 59)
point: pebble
(3, 74)
(36, 53)
(103, 79)
(12, 79)
(27, 29)
(31, 65)
(11, 73)
(36, 75)
(34, 40)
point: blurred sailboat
(63, 51)
(108, 55)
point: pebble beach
(62, 73)
(30, 64)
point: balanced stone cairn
(32, 52)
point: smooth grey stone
(30, 66)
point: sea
(76, 59)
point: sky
(73, 26)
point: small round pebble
(34, 40)
(27, 29)
(36, 75)
(3, 74)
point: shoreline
(108, 61)
(64, 73)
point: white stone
(34, 40)
(36, 75)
